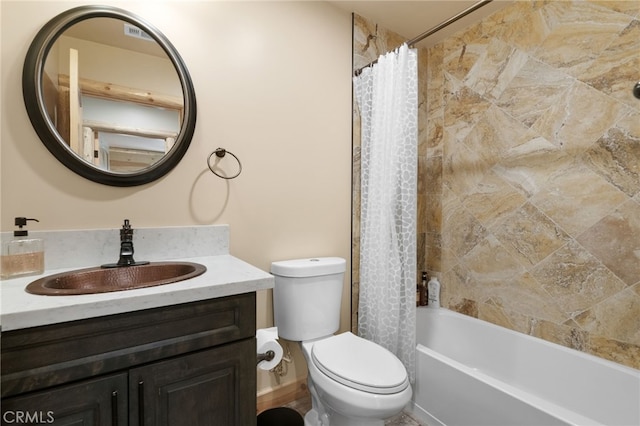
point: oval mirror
(109, 96)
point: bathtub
(471, 372)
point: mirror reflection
(113, 94)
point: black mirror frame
(44, 127)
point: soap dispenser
(22, 255)
(434, 293)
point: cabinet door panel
(94, 402)
(215, 387)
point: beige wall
(531, 182)
(273, 83)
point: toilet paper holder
(267, 356)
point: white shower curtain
(387, 96)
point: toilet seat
(360, 364)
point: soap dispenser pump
(22, 255)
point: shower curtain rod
(435, 29)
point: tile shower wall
(531, 177)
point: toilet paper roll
(267, 340)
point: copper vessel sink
(101, 280)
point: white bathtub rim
(612, 364)
(554, 410)
(628, 376)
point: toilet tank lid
(310, 267)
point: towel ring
(221, 152)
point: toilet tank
(307, 296)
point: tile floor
(303, 405)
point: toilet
(352, 381)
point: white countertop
(225, 276)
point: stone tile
(421, 252)
(433, 258)
(435, 134)
(433, 212)
(364, 32)
(576, 279)
(450, 202)
(616, 155)
(565, 197)
(521, 25)
(458, 292)
(521, 299)
(423, 131)
(580, 31)
(462, 169)
(433, 175)
(617, 317)
(461, 231)
(629, 7)
(492, 199)
(568, 335)
(422, 170)
(533, 90)
(463, 108)
(370, 41)
(495, 68)
(356, 128)
(421, 211)
(493, 134)
(529, 235)
(490, 266)
(496, 314)
(576, 163)
(580, 118)
(614, 241)
(621, 352)
(423, 114)
(466, 307)
(614, 71)
(532, 163)
(435, 78)
(462, 50)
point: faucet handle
(126, 233)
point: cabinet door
(99, 402)
(214, 387)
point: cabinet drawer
(46, 356)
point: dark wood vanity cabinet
(100, 401)
(195, 389)
(183, 365)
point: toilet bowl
(357, 382)
(352, 381)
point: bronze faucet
(126, 249)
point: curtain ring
(220, 153)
